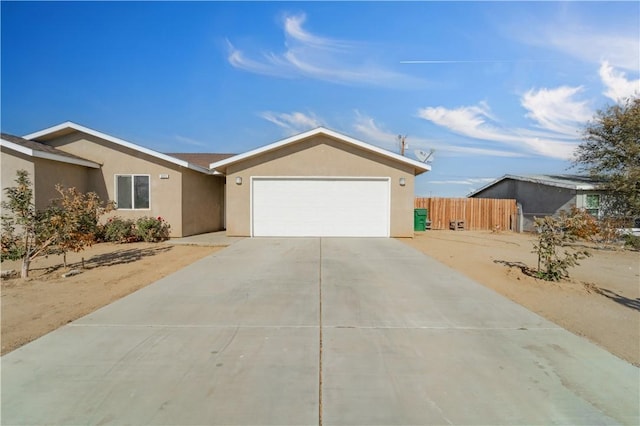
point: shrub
(152, 229)
(631, 241)
(119, 230)
(554, 233)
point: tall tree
(610, 152)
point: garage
(319, 183)
(322, 206)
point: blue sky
(493, 87)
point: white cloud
(590, 39)
(618, 87)
(372, 132)
(189, 141)
(476, 122)
(308, 55)
(556, 109)
(557, 117)
(593, 46)
(292, 123)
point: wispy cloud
(557, 110)
(593, 46)
(618, 87)
(190, 141)
(373, 132)
(557, 117)
(308, 55)
(477, 122)
(585, 38)
(294, 122)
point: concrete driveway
(316, 331)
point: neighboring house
(544, 195)
(318, 183)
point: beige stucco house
(318, 183)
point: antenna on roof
(425, 157)
(403, 143)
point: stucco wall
(10, 163)
(202, 203)
(319, 156)
(536, 200)
(44, 175)
(165, 194)
(49, 173)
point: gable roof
(202, 159)
(70, 127)
(40, 150)
(575, 182)
(418, 167)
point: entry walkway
(316, 331)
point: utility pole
(402, 140)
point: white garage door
(320, 207)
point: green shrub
(119, 230)
(631, 241)
(152, 229)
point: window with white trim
(593, 204)
(132, 192)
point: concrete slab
(235, 339)
(215, 239)
(232, 339)
(407, 340)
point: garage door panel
(320, 207)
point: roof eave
(48, 155)
(221, 166)
(77, 127)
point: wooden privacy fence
(477, 213)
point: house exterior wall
(165, 194)
(202, 203)
(44, 175)
(49, 173)
(536, 200)
(319, 156)
(10, 163)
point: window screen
(132, 191)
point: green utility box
(419, 219)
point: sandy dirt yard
(46, 301)
(601, 301)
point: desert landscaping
(601, 301)
(46, 301)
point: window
(592, 204)
(132, 191)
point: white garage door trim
(306, 206)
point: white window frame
(592, 210)
(132, 175)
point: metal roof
(576, 182)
